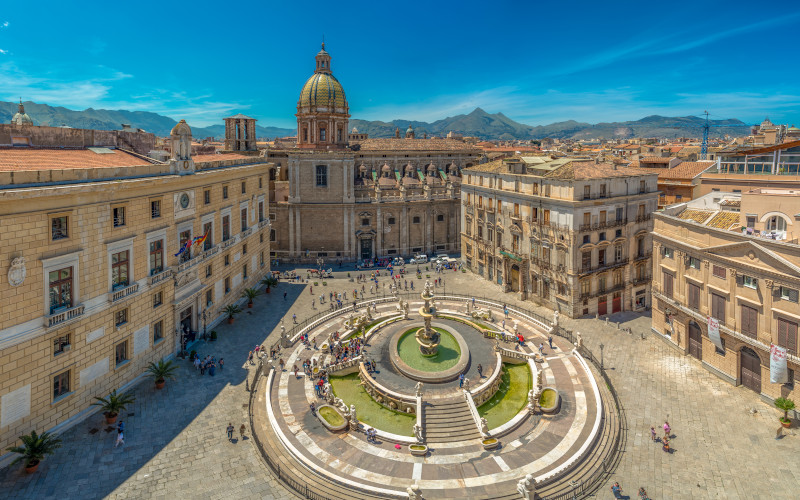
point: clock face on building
(184, 200)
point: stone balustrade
(486, 390)
(396, 401)
(159, 277)
(65, 316)
(247, 232)
(121, 293)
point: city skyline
(595, 66)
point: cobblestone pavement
(176, 442)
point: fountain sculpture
(427, 337)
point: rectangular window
(787, 335)
(158, 331)
(119, 269)
(156, 257)
(694, 296)
(440, 218)
(391, 221)
(208, 234)
(272, 235)
(60, 289)
(668, 284)
(749, 321)
(694, 263)
(244, 271)
(261, 262)
(244, 249)
(587, 192)
(718, 308)
(601, 257)
(749, 281)
(601, 236)
(667, 252)
(260, 211)
(789, 294)
(226, 227)
(586, 260)
(586, 287)
(642, 187)
(719, 271)
(59, 228)
(208, 271)
(224, 192)
(121, 317)
(158, 299)
(118, 214)
(227, 260)
(618, 253)
(209, 297)
(207, 196)
(415, 220)
(155, 209)
(244, 187)
(121, 353)
(322, 176)
(260, 183)
(244, 219)
(61, 344)
(61, 384)
(602, 190)
(365, 222)
(227, 285)
(619, 214)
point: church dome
(21, 118)
(322, 90)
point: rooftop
(565, 168)
(416, 145)
(221, 157)
(687, 170)
(22, 159)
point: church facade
(344, 196)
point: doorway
(751, 369)
(695, 341)
(602, 306)
(366, 248)
(187, 334)
(515, 278)
(616, 302)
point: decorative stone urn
(427, 337)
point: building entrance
(515, 278)
(695, 340)
(366, 248)
(602, 306)
(187, 334)
(751, 369)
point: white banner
(713, 333)
(778, 372)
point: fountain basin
(451, 342)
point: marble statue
(353, 418)
(516, 327)
(579, 342)
(418, 387)
(414, 493)
(418, 432)
(484, 427)
(527, 487)
(531, 401)
(466, 384)
(555, 318)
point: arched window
(776, 223)
(322, 134)
(305, 135)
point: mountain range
(478, 123)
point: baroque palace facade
(344, 196)
(92, 290)
(570, 234)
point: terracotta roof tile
(583, 170)
(699, 216)
(723, 220)
(687, 170)
(655, 159)
(416, 145)
(22, 159)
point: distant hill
(485, 125)
(478, 123)
(105, 119)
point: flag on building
(201, 239)
(184, 247)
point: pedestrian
(473, 301)
(196, 362)
(221, 363)
(313, 305)
(541, 347)
(211, 369)
(480, 370)
(281, 363)
(667, 429)
(203, 368)
(295, 371)
(504, 325)
(241, 431)
(461, 380)
(250, 357)
(120, 438)
(294, 318)
(284, 296)
(230, 431)
(120, 426)
(643, 494)
(550, 340)
(311, 289)
(653, 434)
(616, 489)
(505, 310)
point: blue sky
(536, 62)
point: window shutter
(776, 292)
(793, 295)
(739, 280)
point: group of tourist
(209, 363)
(667, 436)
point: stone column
(379, 236)
(290, 212)
(297, 231)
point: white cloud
(2, 51)
(4, 24)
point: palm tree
(114, 404)
(34, 448)
(269, 282)
(250, 293)
(162, 371)
(232, 310)
(785, 405)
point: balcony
(603, 267)
(244, 234)
(158, 277)
(264, 223)
(643, 255)
(122, 292)
(642, 280)
(210, 252)
(189, 263)
(226, 244)
(603, 225)
(63, 316)
(642, 218)
(607, 291)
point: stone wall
(140, 142)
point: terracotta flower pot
(786, 424)
(249, 304)
(160, 384)
(31, 468)
(230, 321)
(268, 290)
(111, 418)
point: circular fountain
(427, 338)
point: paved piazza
(724, 437)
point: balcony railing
(227, 244)
(603, 267)
(63, 316)
(643, 255)
(264, 223)
(247, 232)
(159, 277)
(642, 218)
(603, 225)
(210, 252)
(189, 263)
(607, 291)
(643, 279)
(122, 293)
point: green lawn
(510, 398)
(348, 388)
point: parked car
(420, 259)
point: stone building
(240, 133)
(742, 168)
(345, 196)
(732, 257)
(92, 288)
(569, 234)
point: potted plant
(785, 404)
(250, 293)
(34, 448)
(269, 282)
(161, 371)
(113, 404)
(192, 355)
(231, 311)
(213, 335)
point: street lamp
(204, 322)
(601, 356)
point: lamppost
(204, 322)
(601, 356)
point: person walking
(295, 371)
(284, 296)
(643, 494)
(667, 429)
(461, 380)
(120, 438)
(281, 362)
(230, 431)
(550, 341)
(653, 434)
(616, 489)
(250, 357)
(221, 363)
(241, 431)
(294, 318)
(480, 370)
(541, 347)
